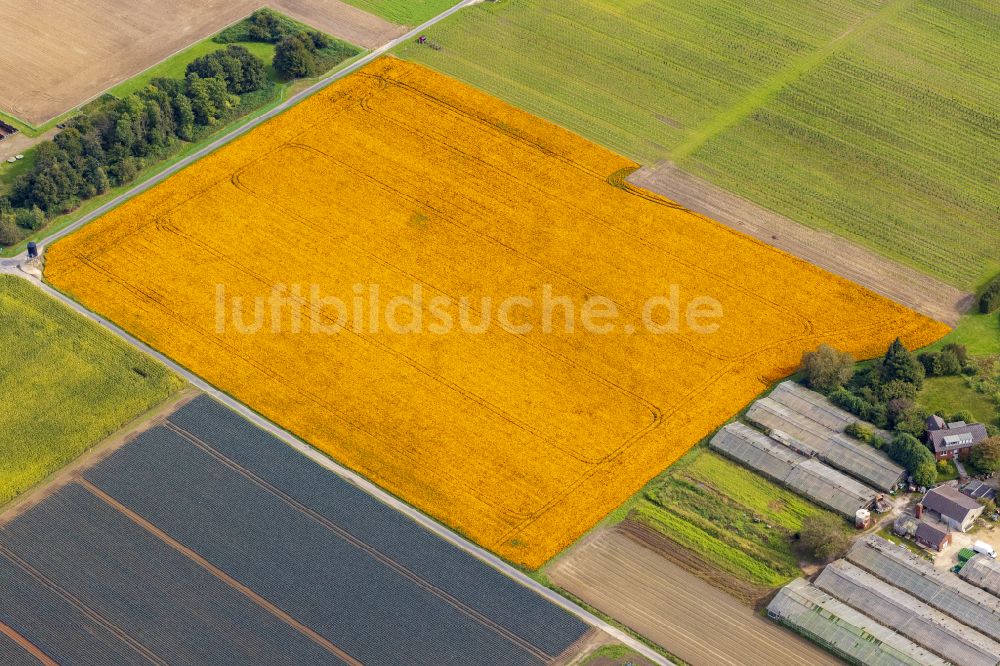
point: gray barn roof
(924, 625)
(810, 437)
(837, 626)
(930, 533)
(983, 572)
(941, 589)
(950, 502)
(817, 407)
(806, 476)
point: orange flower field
(397, 176)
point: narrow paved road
(10, 266)
(243, 129)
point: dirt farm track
(836, 254)
(57, 54)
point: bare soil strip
(27, 645)
(15, 144)
(693, 620)
(838, 255)
(578, 651)
(57, 54)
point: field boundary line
(361, 483)
(78, 603)
(27, 645)
(218, 573)
(361, 544)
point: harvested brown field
(57, 54)
(836, 254)
(659, 599)
(341, 20)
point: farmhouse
(955, 439)
(951, 507)
(942, 590)
(806, 476)
(983, 572)
(833, 624)
(896, 608)
(812, 426)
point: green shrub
(9, 235)
(242, 71)
(986, 455)
(861, 431)
(827, 369)
(264, 25)
(989, 299)
(31, 219)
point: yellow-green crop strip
(65, 385)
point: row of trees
(108, 146)
(883, 393)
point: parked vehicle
(984, 549)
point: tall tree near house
(899, 363)
(985, 455)
(827, 369)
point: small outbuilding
(934, 536)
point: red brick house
(953, 440)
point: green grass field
(66, 385)
(9, 172)
(953, 394)
(404, 12)
(980, 333)
(875, 119)
(729, 515)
